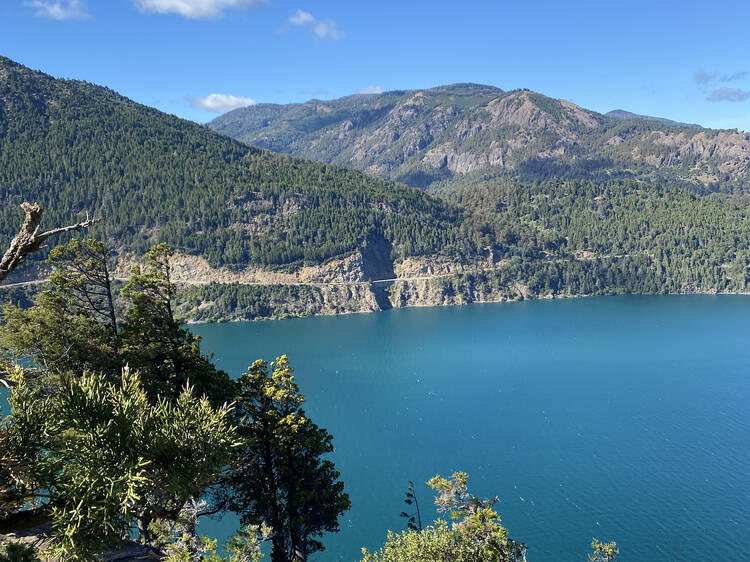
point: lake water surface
(622, 418)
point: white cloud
(195, 9)
(60, 11)
(703, 77)
(301, 18)
(370, 90)
(220, 103)
(323, 29)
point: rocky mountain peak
(447, 137)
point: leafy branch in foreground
(603, 552)
(101, 440)
(178, 540)
(476, 534)
(475, 518)
(105, 458)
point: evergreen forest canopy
(153, 178)
(565, 237)
(73, 146)
(580, 237)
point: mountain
(447, 137)
(75, 147)
(262, 235)
(628, 115)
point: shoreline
(358, 297)
(426, 305)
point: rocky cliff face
(451, 136)
(337, 287)
(274, 302)
(214, 295)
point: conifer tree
(97, 457)
(154, 342)
(281, 476)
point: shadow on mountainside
(377, 263)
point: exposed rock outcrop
(463, 133)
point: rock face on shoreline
(416, 282)
(366, 281)
(289, 302)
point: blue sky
(687, 61)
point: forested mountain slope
(259, 234)
(463, 134)
(661, 239)
(75, 147)
(557, 238)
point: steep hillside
(450, 136)
(76, 147)
(260, 234)
(558, 238)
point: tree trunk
(30, 240)
(298, 550)
(143, 529)
(278, 548)
(296, 531)
(278, 540)
(110, 302)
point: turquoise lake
(622, 418)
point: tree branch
(29, 240)
(222, 505)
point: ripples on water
(620, 418)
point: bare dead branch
(29, 240)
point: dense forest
(644, 237)
(78, 148)
(557, 238)
(74, 148)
